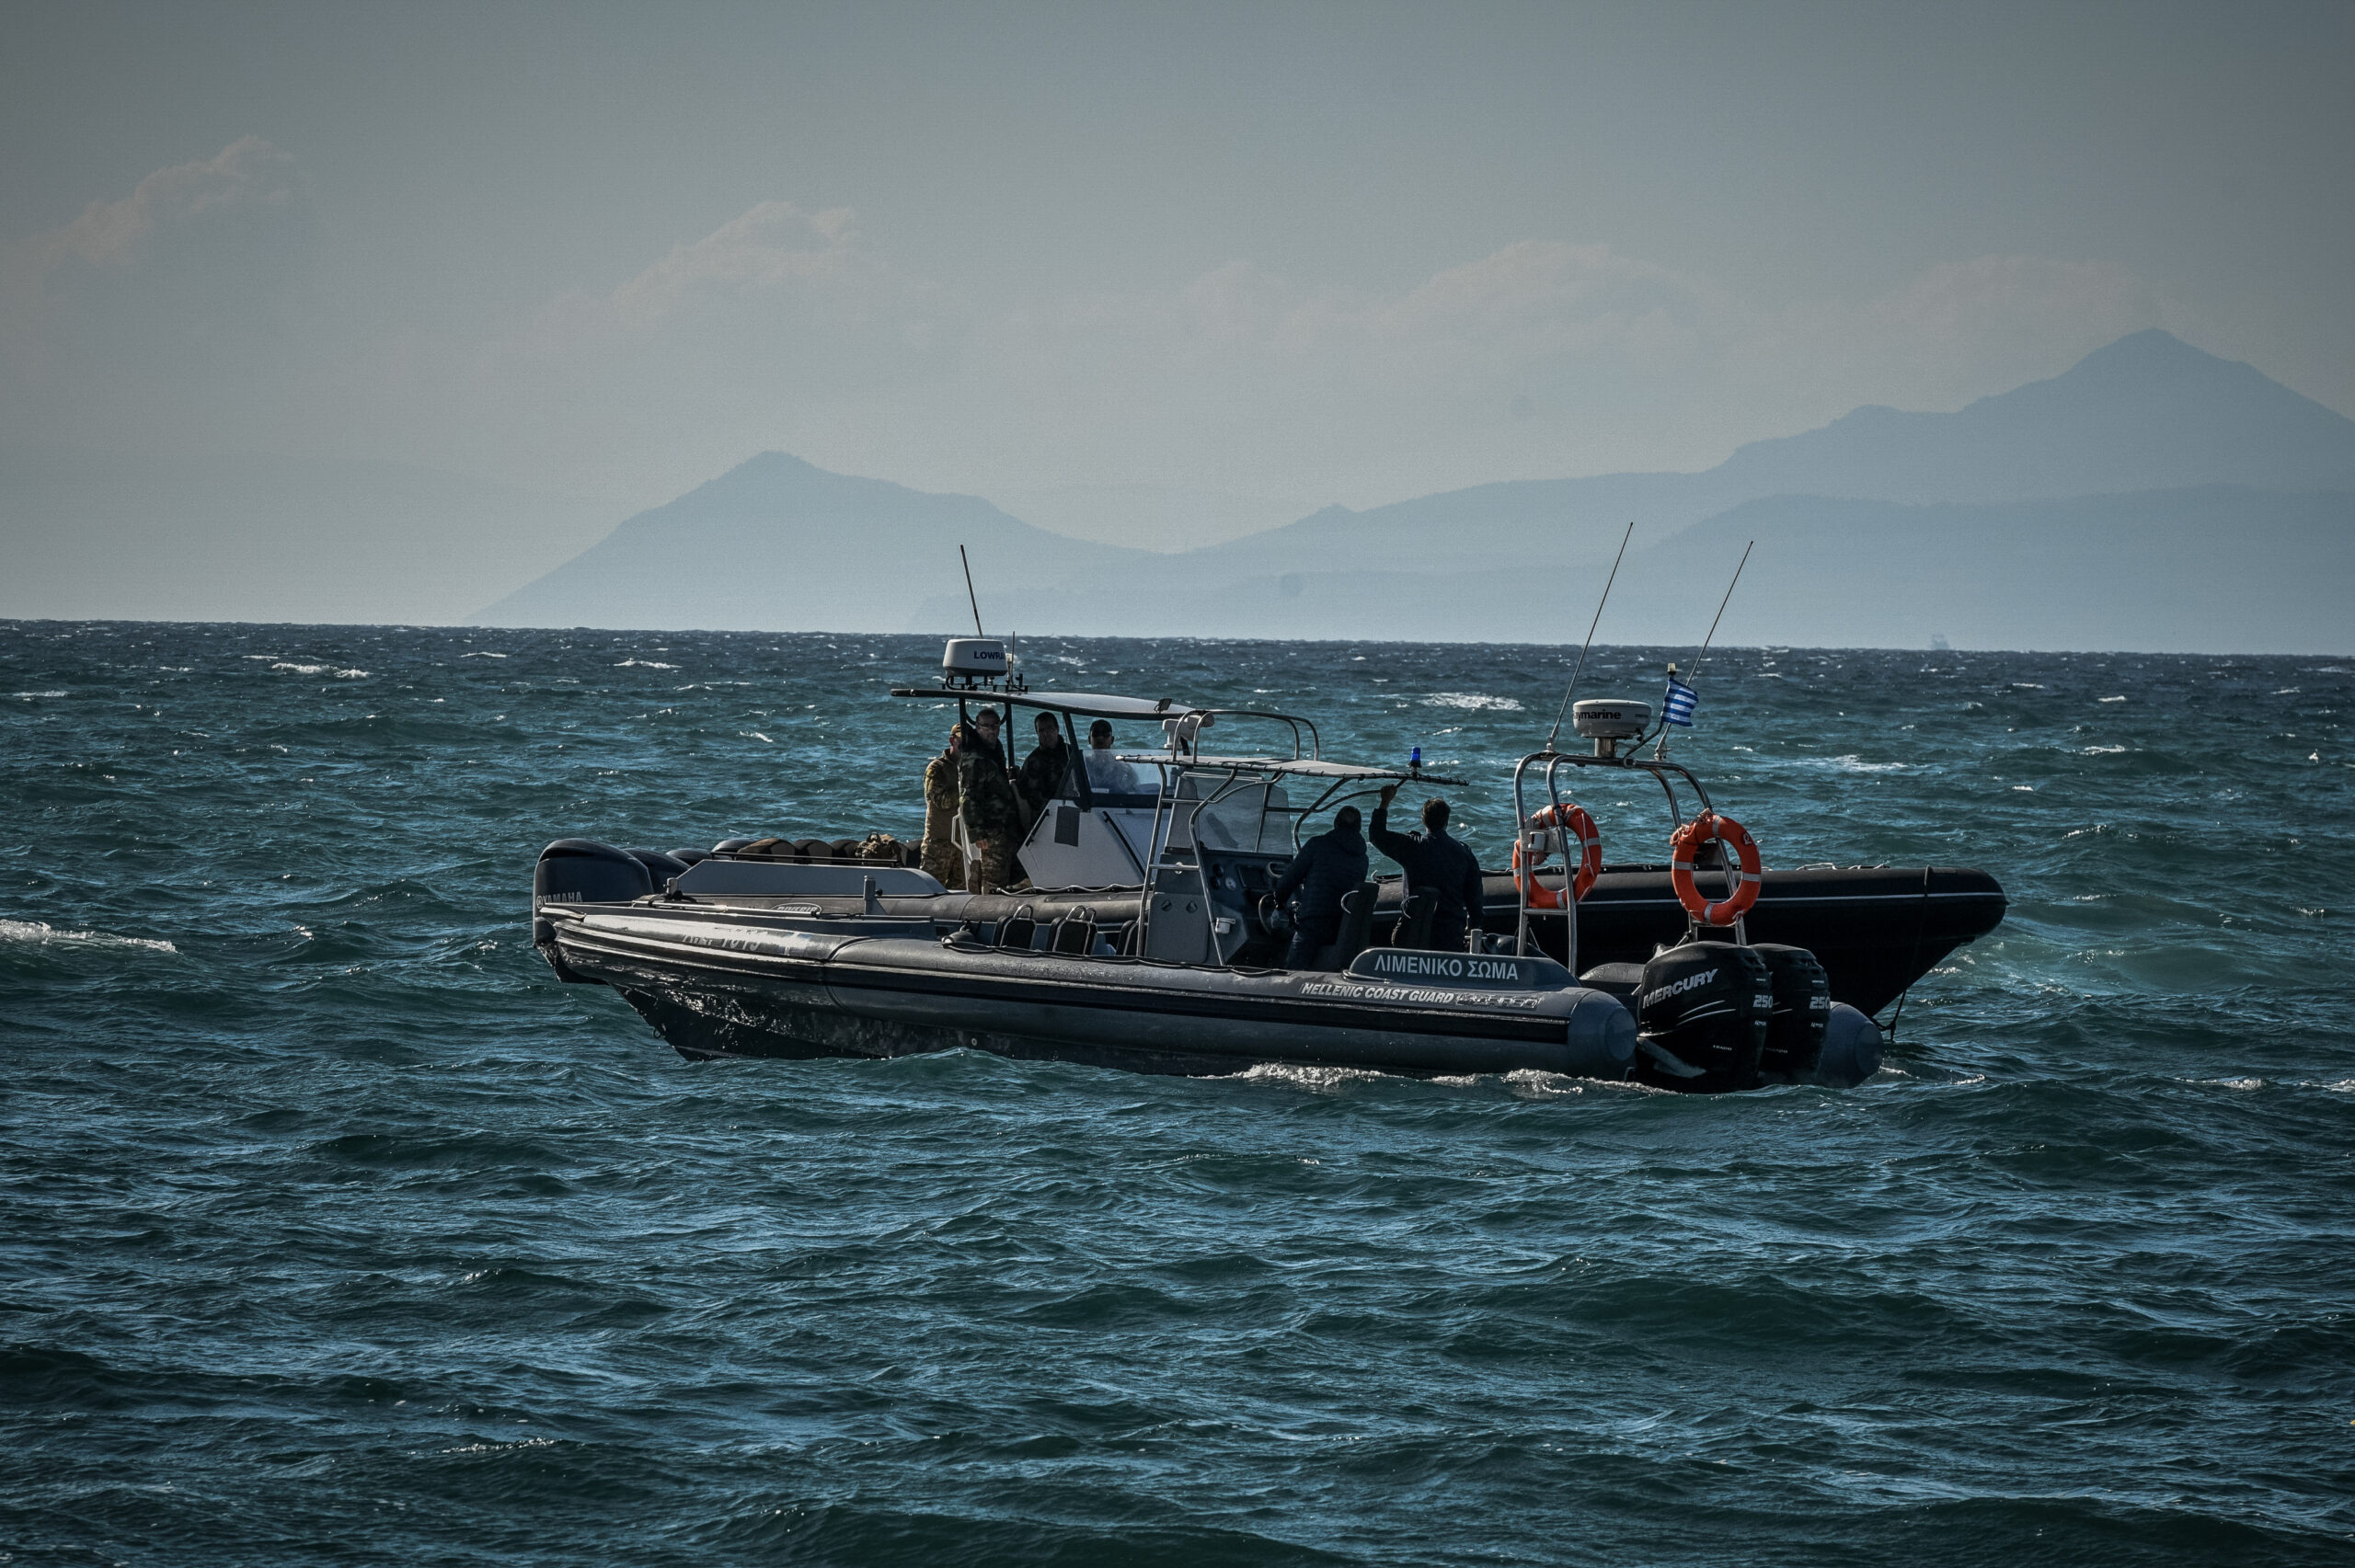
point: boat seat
(1357, 929)
(1075, 933)
(1017, 930)
(1414, 928)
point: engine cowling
(582, 871)
(1701, 1018)
(1802, 1010)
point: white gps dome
(1607, 718)
(981, 658)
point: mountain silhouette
(2149, 412)
(2154, 493)
(776, 543)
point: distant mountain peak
(2154, 350)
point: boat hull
(742, 986)
(1876, 930)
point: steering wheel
(1273, 916)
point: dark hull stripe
(679, 964)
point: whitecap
(645, 664)
(1307, 1077)
(1471, 700)
(2101, 750)
(503, 1448)
(1851, 763)
(42, 932)
(321, 669)
(30, 695)
(2109, 699)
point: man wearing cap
(1106, 772)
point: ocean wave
(321, 669)
(644, 664)
(1847, 762)
(1322, 1078)
(1473, 700)
(43, 933)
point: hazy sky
(1085, 259)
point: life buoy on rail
(1687, 842)
(1574, 821)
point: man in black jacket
(1327, 867)
(1045, 775)
(1436, 865)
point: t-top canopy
(1082, 704)
(1297, 767)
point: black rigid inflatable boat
(1147, 941)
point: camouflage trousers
(993, 867)
(944, 862)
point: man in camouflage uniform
(942, 859)
(992, 811)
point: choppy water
(333, 1230)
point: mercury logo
(1678, 988)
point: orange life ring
(1680, 849)
(1576, 821)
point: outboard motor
(1701, 1018)
(661, 864)
(1802, 1010)
(582, 871)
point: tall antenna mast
(1590, 626)
(977, 603)
(1721, 609)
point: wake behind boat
(1146, 937)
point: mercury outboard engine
(1701, 1018)
(1803, 1009)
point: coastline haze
(1143, 280)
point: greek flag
(1677, 706)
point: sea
(334, 1230)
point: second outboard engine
(1803, 1009)
(1701, 1018)
(661, 864)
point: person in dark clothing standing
(1045, 775)
(992, 812)
(1436, 865)
(1327, 867)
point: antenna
(969, 593)
(1599, 603)
(1721, 609)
